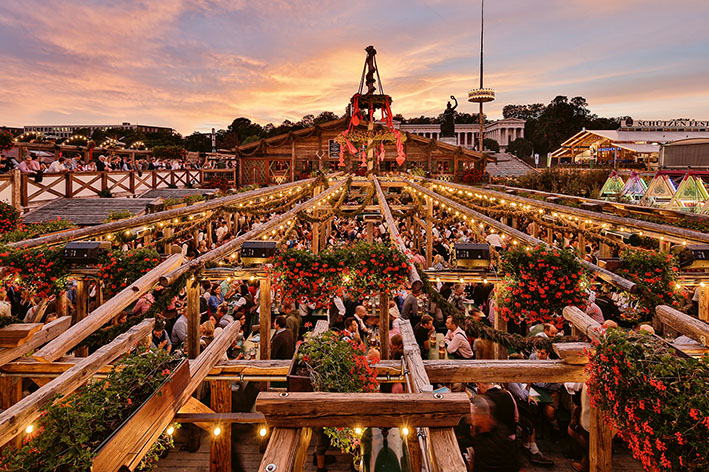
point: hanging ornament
(382, 152)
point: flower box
(297, 380)
(131, 441)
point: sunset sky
(197, 65)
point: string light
(29, 429)
(262, 432)
(405, 431)
(170, 430)
(217, 431)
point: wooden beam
(192, 313)
(684, 324)
(194, 411)
(233, 245)
(600, 444)
(384, 325)
(604, 274)
(393, 230)
(281, 450)
(265, 318)
(48, 332)
(16, 418)
(105, 313)
(574, 353)
(114, 226)
(445, 450)
(220, 447)
(503, 371)
(82, 308)
(429, 232)
(584, 323)
(301, 455)
(383, 410)
(208, 418)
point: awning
(640, 148)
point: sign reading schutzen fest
(669, 124)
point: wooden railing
(21, 190)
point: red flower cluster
(539, 283)
(656, 401)
(360, 270)
(9, 218)
(119, 269)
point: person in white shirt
(456, 340)
(57, 166)
(495, 240)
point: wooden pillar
(82, 309)
(501, 325)
(514, 222)
(17, 189)
(384, 325)
(550, 235)
(61, 304)
(370, 232)
(581, 240)
(10, 393)
(265, 319)
(220, 447)
(301, 455)
(600, 450)
(229, 222)
(429, 232)
(292, 159)
(703, 313)
(665, 246)
(315, 236)
(192, 313)
(210, 235)
(605, 251)
(324, 233)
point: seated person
(456, 340)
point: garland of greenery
(69, 432)
(103, 336)
(187, 229)
(655, 399)
(116, 215)
(477, 329)
(304, 217)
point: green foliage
(40, 270)
(336, 364)
(198, 142)
(521, 148)
(9, 218)
(656, 400)
(8, 320)
(105, 193)
(655, 273)
(587, 183)
(189, 200)
(69, 432)
(491, 145)
(548, 126)
(174, 152)
(116, 215)
(539, 283)
(119, 269)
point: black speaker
(85, 252)
(472, 255)
(257, 252)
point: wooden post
(192, 313)
(11, 393)
(384, 325)
(301, 454)
(220, 447)
(429, 232)
(61, 304)
(370, 232)
(600, 450)
(265, 321)
(17, 189)
(703, 313)
(550, 235)
(665, 246)
(81, 309)
(501, 325)
(605, 251)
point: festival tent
(691, 194)
(635, 187)
(660, 191)
(613, 186)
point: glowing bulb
(217, 431)
(29, 429)
(262, 432)
(358, 431)
(170, 430)
(405, 431)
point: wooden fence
(22, 190)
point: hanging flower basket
(132, 440)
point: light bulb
(217, 431)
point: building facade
(503, 131)
(66, 131)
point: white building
(66, 131)
(503, 131)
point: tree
(491, 145)
(163, 138)
(523, 112)
(242, 128)
(325, 117)
(169, 152)
(469, 118)
(198, 142)
(521, 148)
